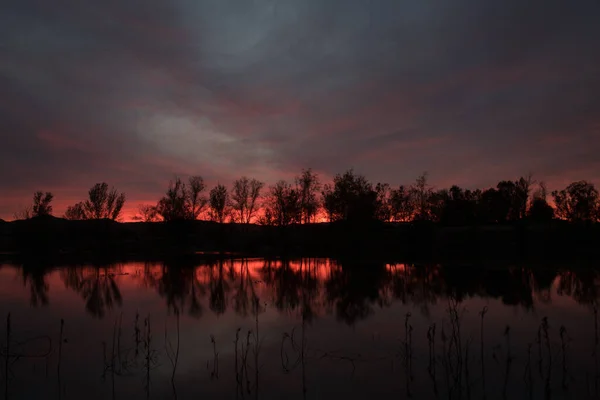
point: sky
(136, 92)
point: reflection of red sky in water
(253, 268)
(380, 334)
(135, 278)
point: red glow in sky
(135, 94)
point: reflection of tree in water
(354, 288)
(184, 285)
(423, 285)
(35, 278)
(316, 286)
(543, 278)
(97, 286)
(419, 285)
(310, 289)
(285, 284)
(218, 288)
(580, 284)
(179, 284)
(293, 286)
(510, 284)
(244, 290)
(463, 281)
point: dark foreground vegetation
(50, 236)
(417, 222)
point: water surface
(311, 328)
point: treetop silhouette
(350, 197)
(102, 203)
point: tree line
(350, 197)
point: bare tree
(401, 204)
(239, 198)
(182, 202)
(96, 204)
(523, 190)
(174, 206)
(383, 210)
(255, 188)
(283, 205)
(541, 192)
(146, 213)
(329, 202)
(196, 200)
(218, 200)
(308, 188)
(25, 213)
(102, 203)
(421, 193)
(580, 201)
(244, 198)
(42, 203)
(76, 212)
(114, 204)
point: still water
(310, 328)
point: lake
(299, 329)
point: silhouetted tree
(218, 200)
(174, 206)
(508, 202)
(182, 202)
(329, 202)
(244, 198)
(492, 207)
(541, 211)
(578, 202)
(437, 202)
(25, 213)
(146, 213)
(196, 200)
(350, 198)
(459, 207)
(76, 212)
(401, 204)
(541, 192)
(511, 200)
(383, 204)
(522, 191)
(308, 187)
(42, 204)
(104, 203)
(420, 195)
(283, 205)
(101, 203)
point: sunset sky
(134, 92)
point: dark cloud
(134, 92)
